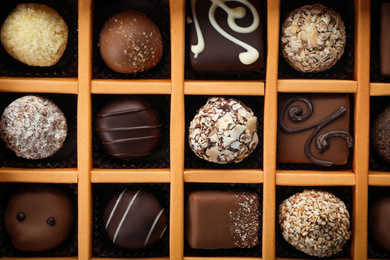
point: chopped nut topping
(313, 38)
(223, 131)
(315, 222)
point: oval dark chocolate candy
(134, 219)
(38, 218)
(379, 221)
(128, 127)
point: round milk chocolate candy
(380, 134)
(134, 219)
(130, 43)
(128, 127)
(38, 218)
(379, 221)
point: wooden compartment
(359, 178)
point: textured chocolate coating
(134, 219)
(385, 40)
(314, 129)
(33, 127)
(38, 218)
(128, 127)
(219, 47)
(379, 221)
(380, 134)
(130, 43)
(222, 219)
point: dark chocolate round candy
(130, 43)
(379, 221)
(380, 134)
(128, 127)
(134, 219)
(38, 218)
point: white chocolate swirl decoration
(251, 54)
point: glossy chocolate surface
(221, 47)
(128, 127)
(385, 40)
(379, 221)
(134, 219)
(314, 129)
(38, 218)
(130, 43)
(222, 219)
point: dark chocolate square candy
(226, 36)
(222, 219)
(314, 129)
(385, 40)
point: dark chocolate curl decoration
(295, 114)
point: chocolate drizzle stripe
(125, 215)
(296, 115)
(127, 154)
(128, 129)
(123, 112)
(133, 140)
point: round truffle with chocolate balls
(315, 222)
(223, 131)
(128, 127)
(313, 38)
(33, 127)
(134, 219)
(130, 43)
(38, 218)
(380, 134)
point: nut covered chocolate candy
(38, 218)
(223, 131)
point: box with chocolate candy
(195, 129)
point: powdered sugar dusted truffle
(315, 222)
(130, 43)
(223, 131)
(33, 127)
(313, 38)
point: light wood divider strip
(221, 258)
(38, 175)
(39, 85)
(270, 130)
(84, 130)
(198, 87)
(362, 129)
(317, 86)
(223, 176)
(312, 178)
(176, 232)
(378, 178)
(117, 86)
(379, 89)
(130, 176)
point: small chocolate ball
(134, 219)
(38, 218)
(380, 134)
(223, 131)
(128, 127)
(379, 221)
(130, 43)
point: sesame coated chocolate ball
(223, 131)
(130, 43)
(315, 222)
